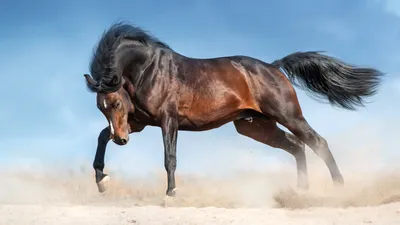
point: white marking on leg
(104, 180)
(111, 128)
(105, 104)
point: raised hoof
(102, 184)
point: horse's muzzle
(121, 140)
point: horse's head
(115, 106)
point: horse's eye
(118, 105)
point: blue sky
(49, 118)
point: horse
(141, 81)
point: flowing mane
(102, 62)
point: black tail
(329, 78)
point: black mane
(102, 62)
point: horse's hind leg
(298, 125)
(266, 131)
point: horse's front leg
(98, 164)
(169, 127)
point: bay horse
(140, 81)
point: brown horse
(140, 81)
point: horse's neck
(148, 69)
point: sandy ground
(371, 194)
(260, 199)
(36, 214)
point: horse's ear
(89, 80)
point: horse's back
(268, 90)
(217, 90)
(245, 76)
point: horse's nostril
(123, 141)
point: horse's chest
(145, 104)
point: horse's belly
(214, 106)
(201, 125)
(209, 118)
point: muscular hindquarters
(273, 93)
